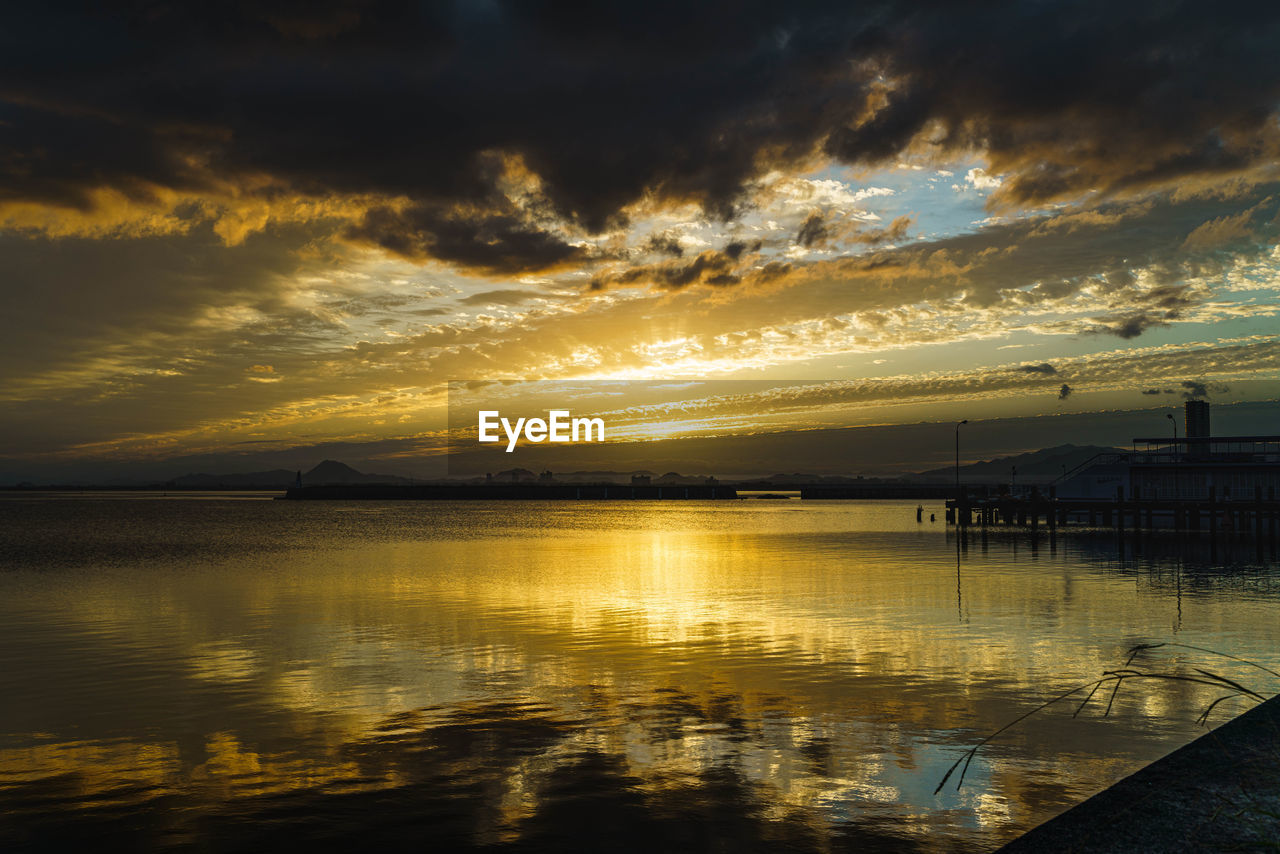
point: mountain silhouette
(332, 471)
(327, 472)
(1039, 466)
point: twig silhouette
(1143, 647)
(1117, 678)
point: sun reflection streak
(805, 661)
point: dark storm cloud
(735, 248)
(1154, 308)
(1042, 368)
(665, 244)
(1193, 390)
(1131, 326)
(812, 230)
(629, 101)
(497, 241)
(816, 232)
(711, 267)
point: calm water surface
(218, 675)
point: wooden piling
(1257, 512)
(1271, 517)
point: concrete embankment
(1221, 792)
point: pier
(1200, 482)
(1258, 515)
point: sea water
(200, 673)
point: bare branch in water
(1142, 647)
(1117, 678)
(971, 752)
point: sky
(235, 237)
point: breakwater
(1218, 793)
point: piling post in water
(1120, 508)
(1257, 512)
(1213, 510)
(1271, 515)
(1053, 509)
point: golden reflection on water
(817, 666)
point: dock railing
(1105, 458)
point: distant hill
(327, 472)
(782, 478)
(1037, 466)
(520, 475)
(601, 476)
(332, 471)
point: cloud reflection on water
(535, 677)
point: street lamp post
(966, 421)
(1177, 490)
